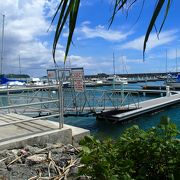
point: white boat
(117, 80)
(9, 83)
(173, 80)
(34, 81)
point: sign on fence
(77, 75)
(51, 74)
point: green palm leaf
(68, 12)
(154, 17)
(67, 9)
(165, 15)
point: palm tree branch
(72, 24)
(62, 20)
(156, 12)
(165, 15)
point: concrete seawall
(38, 132)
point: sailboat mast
(114, 64)
(166, 61)
(2, 43)
(176, 62)
(19, 65)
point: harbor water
(108, 129)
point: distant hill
(15, 75)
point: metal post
(19, 65)
(2, 44)
(61, 101)
(8, 99)
(114, 72)
(61, 106)
(176, 62)
(166, 61)
(122, 93)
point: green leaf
(165, 16)
(86, 150)
(156, 12)
(66, 10)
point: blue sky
(27, 21)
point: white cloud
(26, 23)
(80, 61)
(128, 60)
(85, 32)
(91, 65)
(164, 38)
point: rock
(56, 157)
(73, 170)
(21, 171)
(35, 159)
(72, 151)
(64, 161)
(32, 149)
(24, 152)
(15, 152)
(4, 174)
(3, 154)
(9, 159)
(52, 146)
(2, 177)
(35, 162)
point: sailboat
(5, 82)
(116, 80)
(173, 79)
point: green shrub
(136, 154)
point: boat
(9, 83)
(173, 80)
(117, 80)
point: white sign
(77, 74)
(77, 77)
(51, 74)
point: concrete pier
(36, 132)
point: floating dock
(144, 107)
(148, 91)
(156, 87)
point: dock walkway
(145, 107)
(35, 132)
(148, 91)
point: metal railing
(93, 100)
(49, 102)
(40, 102)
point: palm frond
(67, 8)
(156, 12)
(165, 15)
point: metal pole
(19, 65)
(166, 61)
(176, 62)
(114, 72)
(61, 101)
(114, 64)
(61, 106)
(2, 44)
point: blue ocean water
(108, 129)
